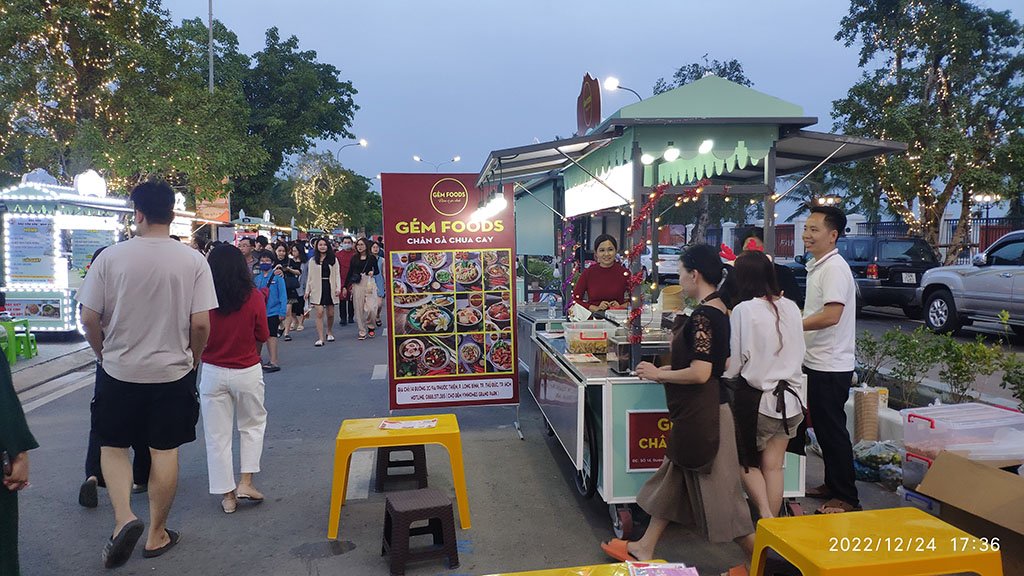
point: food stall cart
(251, 227)
(727, 137)
(49, 235)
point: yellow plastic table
(356, 434)
(12, 347)
(894, 542)
(620, 569)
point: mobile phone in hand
(5, 462)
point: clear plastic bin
(587, 337)
(914, 469)
(929, 430)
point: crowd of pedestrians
(744, 364)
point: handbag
(370, 300)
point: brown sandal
(820, 493)
(836, 506)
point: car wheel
(913, 312)
(940, 313)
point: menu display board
(451, 299)
(43, 308)
(84, 244)
(30, 250)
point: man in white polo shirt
(830, 331)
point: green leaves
(944, 77)
(329, 196)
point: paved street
(525, 511)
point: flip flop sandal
(820, 493)
(318, 343)
(287, 338)
(87, 495)
(362, 336)
(836, 506)
(330, 338)
(119, 549)
(618, 549)
(249, 497)
(175, 538)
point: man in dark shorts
(145, 310)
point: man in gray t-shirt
(145, 310)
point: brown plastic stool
(404, 508)
(385, 464)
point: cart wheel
(793, 508)
(586, 479)
(547, 427)
(622, 520)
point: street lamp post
(437, 165)
(612, 83)
(986, 201)
(361, 143)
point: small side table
(359, 433)
(12, 345)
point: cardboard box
(982, 500)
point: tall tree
(294, 100)
(329, 196)
(729, 69)
(946, 78)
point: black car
(887, 270)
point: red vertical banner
(451, 297)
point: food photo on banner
(452, 298)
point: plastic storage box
(587, 337)
(927, 431)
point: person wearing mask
(830, 333)
(699, 480)
(294, 268)
(363, 289)
(147, 359)
(232, 382)
(273, 288)
(375, 249)
(15, 442)
(344, 256)
(88, 494)
(767, 353)
(605, 284)
(246, 244)
(323, 288)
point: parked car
(955, 296)
(668, 262)
(887, 271)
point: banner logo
(449, 197)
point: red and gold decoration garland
(639, 223)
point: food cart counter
(613, 427)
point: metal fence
(886, 229)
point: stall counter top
(589, 373)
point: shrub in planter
(873, 354)
(963, 362)
(914, 354)
(1013, 376)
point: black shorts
(274, 325)
(298, 307)
(164, 416)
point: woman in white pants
(231, 381)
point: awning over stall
(527, 162)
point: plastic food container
(927, 431)
(914, 468)
(587, 337)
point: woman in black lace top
(699, 480)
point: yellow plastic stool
(361, 433)
(895, 542)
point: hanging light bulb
(647, 159)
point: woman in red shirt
(232, 378)
(605, 284)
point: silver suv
(955, 296)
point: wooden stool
(356, 434)
(894, 542)
(418, 463)
(401, 510)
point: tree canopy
(946, 78)
(330, 196)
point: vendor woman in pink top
(605, 285)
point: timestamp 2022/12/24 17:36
(913, 544)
